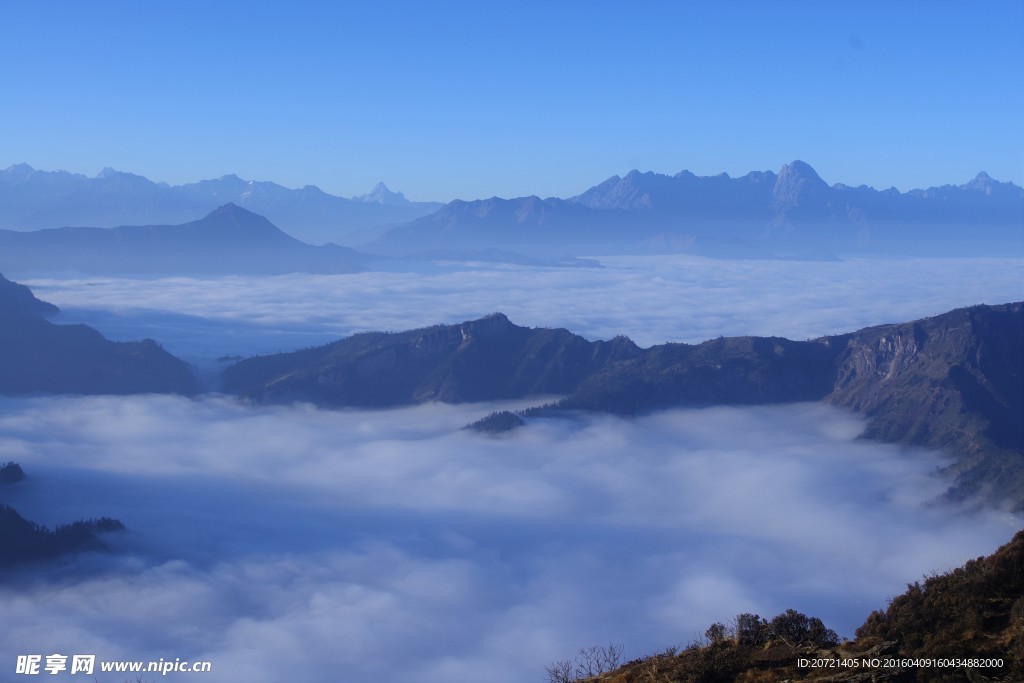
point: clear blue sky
(474, 99)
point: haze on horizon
(512, 100)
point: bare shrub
(590, 661)
(561, 671)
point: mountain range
(953, 382)
(792, 214)
(31, 199)
(762, 214)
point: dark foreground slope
(37, 356)
(975, 612)
(954, 381)
(967, 625)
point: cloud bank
(291, 543)
(650, 299)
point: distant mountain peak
(380, 194)
(800, 169)
(21, 169)
(232, 217)
(109, 173)
(496, 319)
(983, 181)
(232, 210)
(796, 181)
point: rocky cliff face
(954, 382)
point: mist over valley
(277, 528)
(515, 342)
(260, 536)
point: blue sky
(466, 99)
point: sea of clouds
(292, 543)
(652, 300)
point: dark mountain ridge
(38, 357)
(228, 240)
(479, 360)
(23, 541)
(953, 381)
(17, 299)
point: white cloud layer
(291, 543)
(650, 299)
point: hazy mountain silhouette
(758, 215)
(38, 357)
(309, 213)
(380, 194)
(31, 200)
(954, 381)
(35, 200)
(229, 240)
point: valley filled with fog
(651, 300)
(284, 542)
